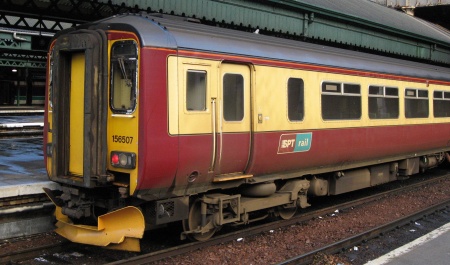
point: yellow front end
(123, 114)
(85, 149)
(119, 229)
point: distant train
(36, 100)
(153, 119)
(10, 91)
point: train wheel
(286, 212)
(195, 221)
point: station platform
(22, 168)
(23, 177)
(18, 110)
(432, 248)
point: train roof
(156, 30)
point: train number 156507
(122, 139)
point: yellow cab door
(77, 105)
(76, 118)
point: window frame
(340, 92)
(134, 80)
(205, 94)
(416, 97)
(443, 98)
(383, 96)
(301, 99)
(242, 103)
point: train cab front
(91, 136)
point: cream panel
(270, 99)
(269, 95)
(172, 94)
(193, 122)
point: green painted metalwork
(22, 63)
(14, 41)
(354, 24)
(318, 21)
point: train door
(76, 111)
(76, 151)
(234, 122)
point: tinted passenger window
(416, 103)
(441, 104)
(196, 90)
(233, 97)
(383, 102)
(341, 101)
(295, 99)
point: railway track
(9, 130)
(19, 201)
(31, 253)
(334, 248)
(306, 258)
(26, 254)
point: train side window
(195, 90)
(416, 103)
(441, 104)
(341, 101)
(123, 76)
(233, 97)
(383, 102)
(295, 99)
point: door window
(233, 97)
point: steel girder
(40, 20)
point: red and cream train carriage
(152, 120)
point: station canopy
(360, 25)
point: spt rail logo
(295, 142)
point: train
(152, 119)
(10, 91)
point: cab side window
(123, 76)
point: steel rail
(21, 129)
(185, 248)
(20, 133)
(336, 247)
(25, 254)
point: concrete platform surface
(22, 173)
(22, 168)
(432, 248)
